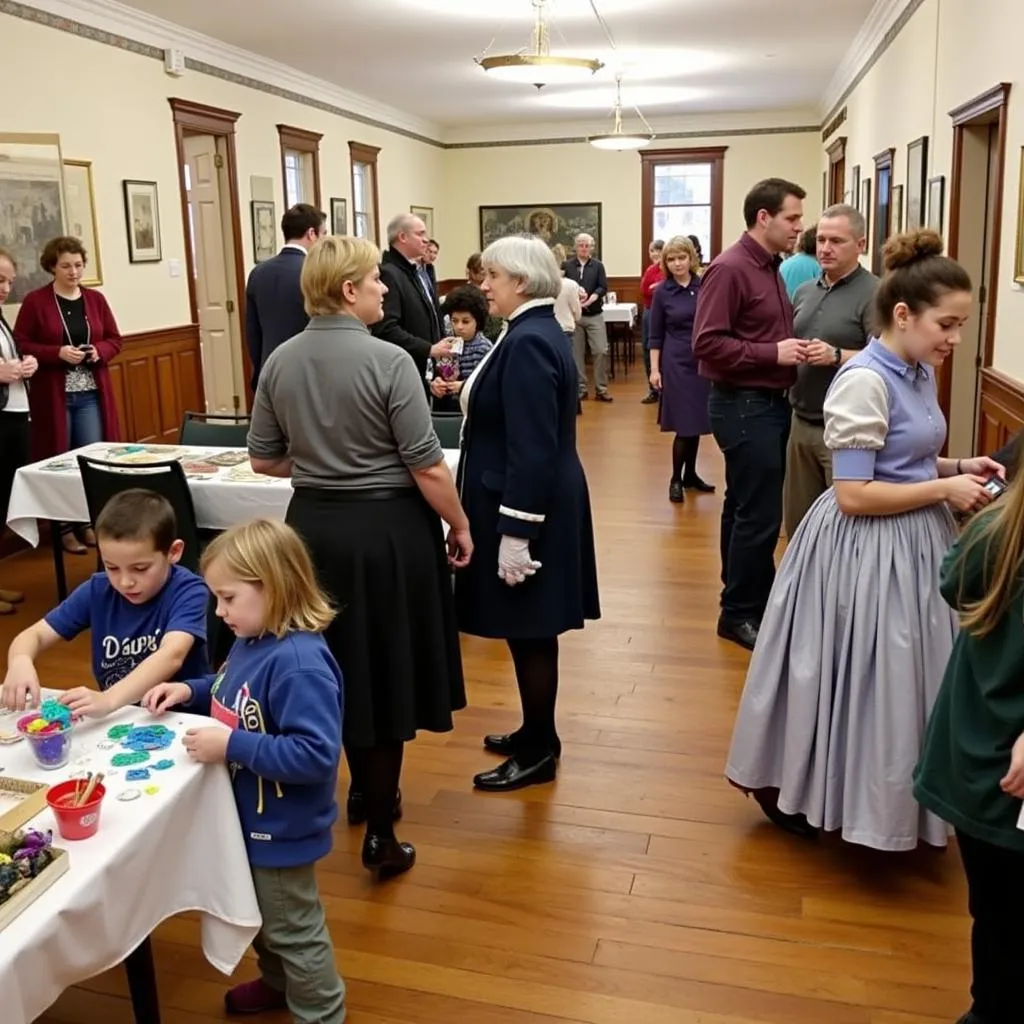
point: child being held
(146, 613)
(466, 308)
(278, 699)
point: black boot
(385, 856)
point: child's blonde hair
(269, 554)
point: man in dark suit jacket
(412, 319)
(274, 307)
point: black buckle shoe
(675, 492)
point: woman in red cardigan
(72, 333)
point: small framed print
(142, 215)
(339, 216)
(936, 202)
(263, 230)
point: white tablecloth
(219, 501)
(175, 850)
(620, 313)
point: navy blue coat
(520, 476)
(274, 308)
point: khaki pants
(591, 331)
(808, 472)
(293, 948)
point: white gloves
(514, 561)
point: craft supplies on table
(107, 903)
(48, 732)
(76, 805)
(20, 801)
(29, 865)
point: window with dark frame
(300, 165)
(365, 195)
(682, 195)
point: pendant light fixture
(537, 66)
(618, 138)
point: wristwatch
(839, 354)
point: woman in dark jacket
(71, 331)
(534, 574)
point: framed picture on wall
(425, 214)
(142, 217)
(81, 216)
(339, 216)
(865, 209)
(264, 241)
(554, 223)
(1018, 263)
(855, 189)
(936, 202)
(896, 210)
(917, 182)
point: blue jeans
(751, 427)
(85, 425)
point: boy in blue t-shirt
(146, 613)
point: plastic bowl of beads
(76, 820)
(48, 732)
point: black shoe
(386, 857)
(603, 396)
(743, 633)
(694, 483)
(511, 775)
(675, 492)
(356, 807)
(794, 824)
(507, 744)
(651, 399)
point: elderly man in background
(412, 319)
(590, 332)
(835, 314)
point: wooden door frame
(205, 120)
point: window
(365, 202)
(682, 195)
(300, 165)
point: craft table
(220, 501)
(178, 849)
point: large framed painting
(142, 213)
(917, 183)
(554, 223)
(32, 204)
(81, 216)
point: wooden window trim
(714, 155)
(301, 141)
(360, 153)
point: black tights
(684, 454)
(536, 664)
(375, 773)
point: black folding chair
(214, 430)
(448, 426)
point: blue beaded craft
(137, 775)
(163, 765)
(148, 737)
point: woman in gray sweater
(345, 415)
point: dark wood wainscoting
(1001, 410)
(157, 377)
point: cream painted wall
(113, 110)
(948, 53)
(576, 172)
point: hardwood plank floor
(638, 888)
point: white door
(215, 297)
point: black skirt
(380, 556)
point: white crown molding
(109, 16)
(878, 24)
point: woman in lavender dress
(683, 408)
(854, 642)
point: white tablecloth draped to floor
(178, 849)
(219, 500)
(620, 313)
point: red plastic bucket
(75, 822)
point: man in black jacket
(274, 308)
(412, 319)
(590, 331)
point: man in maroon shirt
(743, 337)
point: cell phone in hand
(995, 486)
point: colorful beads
(126, 760)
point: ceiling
(677, 57)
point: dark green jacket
(979, 713)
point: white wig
(529, 260)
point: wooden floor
(638, 889)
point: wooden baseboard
(1000, 410)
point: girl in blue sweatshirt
(278, 699)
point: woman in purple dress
(683, 409)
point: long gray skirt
(848, 663)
